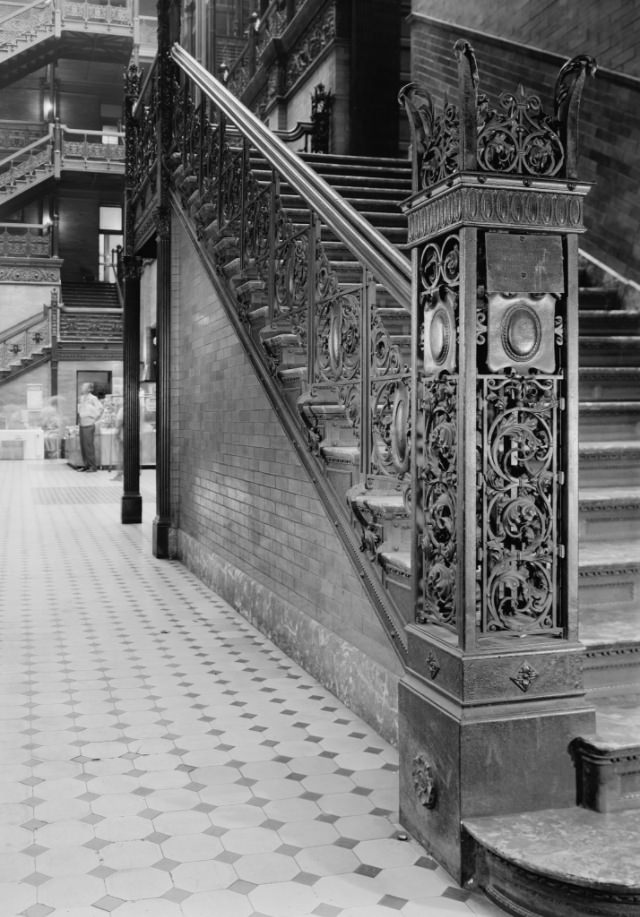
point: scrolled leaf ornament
(424, 781)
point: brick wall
(609, 127)
(248, 517)
(609, 31)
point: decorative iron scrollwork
(391, 427)
(338, 337)
(519, 138)
(520, 484)
(439, 479)
(439, 280)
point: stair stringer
(386, 611)
(25, 367)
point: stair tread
(575, 846)
(589, 495)
(611, 407)
(611, 445)
(617, 721)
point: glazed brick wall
(609, 127)
(608, 30)
(239, 488)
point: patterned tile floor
(158, 756)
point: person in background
(89, 412)
(119, 444)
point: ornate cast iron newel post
(167, 32)
(131, 506)
(494, 692)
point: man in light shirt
(89, 412)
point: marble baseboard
(361, 683)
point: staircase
(609, 522)
(26, 168)
(90, 295)
(609, 516)
(25, 346)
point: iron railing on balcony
(260, 31)
(81, 324)
(29, 24)
(26, 166)
(61, 148)
(95, 147)
(26, 240)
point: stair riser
(608, 352)
(609, 524)
(526, 893)
(609, 471)
(624, 388)
(597, 427)
(600, 591)
(612, 671)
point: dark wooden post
(53, 331)
(129, 268)
(494, 692)
(167, 25)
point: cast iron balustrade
(467, 417)
(26, 340)
(324, 332)
(260, 31)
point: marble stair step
(606, 760)
(608, 321)
(609, 350)
(559, 862)
(610, 631)
(614, 420)
(609, 383)
(610, 462)
(609, 512)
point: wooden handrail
(386, 263)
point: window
(110, 237)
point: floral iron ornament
(514, 137)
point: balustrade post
(314, 235)
(55, 235)
(273, 212)
(253, 31)
(57, 148)
(244, 174)
(494, 692)
(366, 360)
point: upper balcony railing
(29, 24)
(26, 240)
(91, 150)
(261, 30)
(61, 148)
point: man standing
(89, 412)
